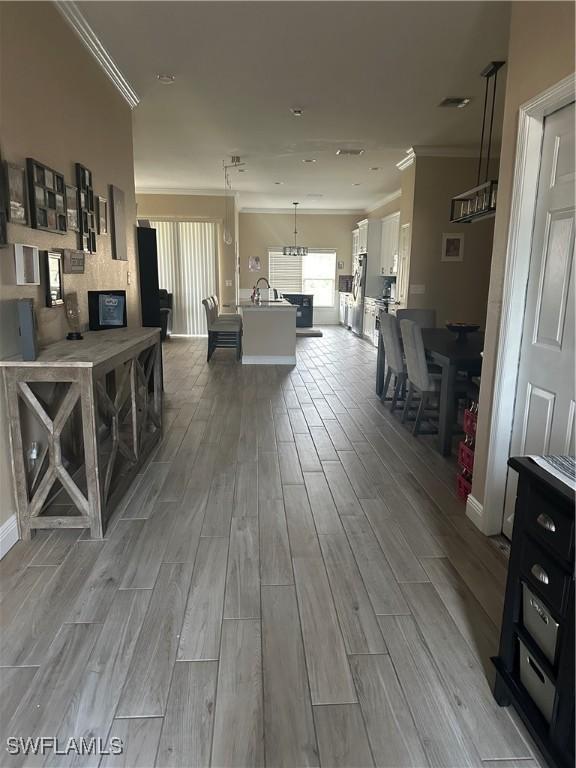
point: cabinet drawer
(548, 524)
(541, 572)
(537, 619)
(542, 690)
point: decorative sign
(73, 262)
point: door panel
(544, 409)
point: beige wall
(384, 210)
(201, 207)
(58, 106)
(540, 54)
(458, 291)
(260, 231)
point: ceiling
(366, 74)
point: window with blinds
(314, 273)
(285, 272)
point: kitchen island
(268, 332)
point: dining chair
(221, 331)
(224, 315)
(425, 318)
(420, 379)
(393, 357)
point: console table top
(96, 348)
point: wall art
(47, 193)
(74, 261)
(86, 209)
(27, 261)
(17, 194)
(53, 270)
(72, 217)
(102, 216)
(452, 246)
(118, 224)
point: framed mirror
(54, 292)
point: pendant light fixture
(295, 250)
(480, 201)
(228, 223)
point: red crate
(465, 456)
(470, 422)
(463, 487)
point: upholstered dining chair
(420, 379)
(224, 315)
(393, 357)
(222, 332)
(425, 318)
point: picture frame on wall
(46, 190)
(53, 271)
(102, 216)
(27, 262)
(72, 208)
(86, 211)
(74, 262)
(118, 224)
(17, 193)
(452, 246)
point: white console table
(94, 409)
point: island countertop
(272, 304)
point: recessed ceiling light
(296, 111)
(350, 152)
(356, 184)
(165, 79)
(309, 160)
(278, 183)
(458, 102)
(374, 168)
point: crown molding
(407, 161)
(432, 151)
(385, 200)
(182, 191)
(307, 211)
(76, 20)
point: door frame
(519, 247)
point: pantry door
(544, 409)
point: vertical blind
(187, 269)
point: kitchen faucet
(265, 279)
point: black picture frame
(53, 278)
(17, 207)
(118, 224)
(86, 209)
(102, 215)
(72, 207)
(46, 195)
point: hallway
(292, 582)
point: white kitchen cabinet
(390, 244)
(363, 236)
(402, 282)
(369, 328)
(343, 309)
(355, 242)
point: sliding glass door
(187, 269)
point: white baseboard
(269, 360)
(475, 512)
(8, 535)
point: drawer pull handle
(535, 669)
(539, 573)
(539, 611)
(546, 522)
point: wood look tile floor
(290, 582)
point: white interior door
(544, 408)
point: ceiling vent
(350, 152)
(455, 102)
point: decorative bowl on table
(462, 330)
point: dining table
(452, 356)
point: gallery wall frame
(47, 195)
(452, 246)
(86, 209)
(27, 263)
(17, 202)
(73, 262)
(72, 208)
(102, 215)
(53, 273)
(118, 223)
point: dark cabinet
(535, 662)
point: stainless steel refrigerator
(358, 291)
